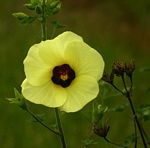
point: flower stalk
(128, 95)
(43, 124)
(43, 22)
(62, 137)
(119, 69)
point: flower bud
(129, 68)
(118, 68)
(29, 6)
(101, 131)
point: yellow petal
(65, 38)
(82, 90)
(84, 59)
(36, 70)
(48, 94)
(52, 51)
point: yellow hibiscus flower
(62, 72)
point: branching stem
(134, 113)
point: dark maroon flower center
(63, 75)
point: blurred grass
(119, 30)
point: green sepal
(53, 7)
(24, 18)
(36, 2)
(18, 100)
(30, 6)
(54, 4)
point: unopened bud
(118, 68)
(101, 131)
(129, 68)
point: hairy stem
(60, 128)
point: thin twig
(135, 131)
(134, 113)
(43, 124)
(117, 88)
(114, 143)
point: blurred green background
(119, 30)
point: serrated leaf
(24, 18)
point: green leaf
(30, 6)
(18, 100)
(24, 18)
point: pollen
(64, 77)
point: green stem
(114, 143)
(43, 124)
(135, 131)
(117, 88)
(60, 129)
(43, 22)
(134, 113)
